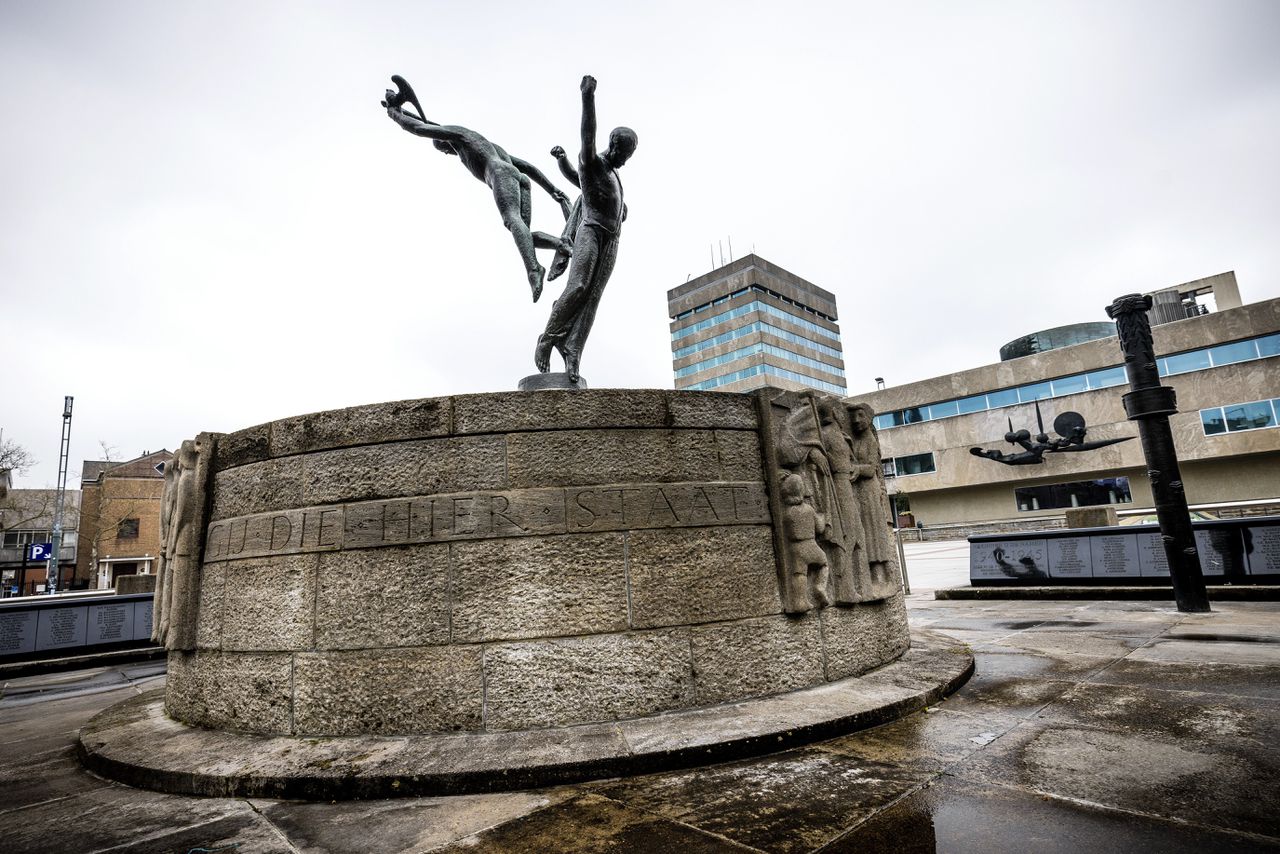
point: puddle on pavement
(1220, 638)
(1018, 625)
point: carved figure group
(588, 245)
(182, 522)
(831, 483)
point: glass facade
(914, 464)
(756, 326)
(1237, 417)
(752, 349)
(1179, 363)
(755, 305)
(757, 370)
(1082, 493)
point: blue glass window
(977, 403)
(1035, 391)
(914, 414)
(1107, 377)
(1229, 354)
(1269, 345)
(1196, 360)
(1003, 397)
(1249, 416)
(944, 410)
(1070, 385)
(884, 420)
(1213, 421)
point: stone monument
(495, 590)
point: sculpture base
(133, 742)
(541, 382)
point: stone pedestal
(542, 382)
(501, 562)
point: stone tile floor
(1089, 726)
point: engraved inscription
(487, 515)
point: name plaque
(1152, 558)
(61, 627)
(1263, 548)
(17, 632)
(110, 623)
(1115, 556)
(487, 515)
(1069, 557)
(1009, 559)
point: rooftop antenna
(713, 256)
(731, 249)
(721, 243)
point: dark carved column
(1150, 404)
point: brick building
(120, 518)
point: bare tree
(15, 458)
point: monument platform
(134, 742)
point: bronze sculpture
(595, 242)
(507, 176)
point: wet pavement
(1088, 726)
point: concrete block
(751, 658)
(130, 584)
(709, 409)
(242, 447)
(1091, 517)
(383, 598)
(579, 680)
(739, 452)
(268, 603)
(213, 583)
(547, 587)
(864, 637)
(582, 458)
(423, 467)
(699, 575)
(559, 410)
(235, 691)
(362, 425)
(388, 691)
(257, 488)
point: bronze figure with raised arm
(595, 243)
(508, 177)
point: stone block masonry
(491, 563)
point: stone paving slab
(135, 743)
(1145, 750)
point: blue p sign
(40, 551)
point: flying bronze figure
(507, 176)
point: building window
(1238, 417)
(127, 529)
(1081, 493)
(887, 468)
(1179, 363)
(914, 464)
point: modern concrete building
(1224, 366)
(26, 518)
(751, 324)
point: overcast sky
(207, 221)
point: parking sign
(40, 551)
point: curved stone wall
(500, 562)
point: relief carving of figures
(807, 571)
(183, 509)
(813, 440)
(878, 550)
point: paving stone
(361, 425)
(244, 692)
(793, 801)
(414, 824)
(1209, 651)
(424, 467)
(39, 777)
(269, 604)
(958, 816)
(388, 692)
(545, 587)
(683, 576)
(751, 658)
(383, 598)
(927, 740)
(864, 636)
(591, 824)
(1172, 779)
(1249, 680)
(257, 488)
(589, 457)
(579, 680)
(1065, 643)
